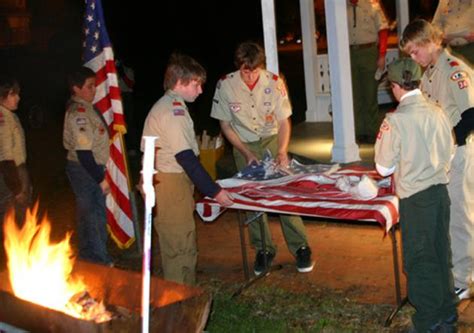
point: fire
(40, 271)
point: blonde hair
(420, 32)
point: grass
(273, 309)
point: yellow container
(209, 158)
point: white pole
(147, 177)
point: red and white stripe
(307, 195)
(109, 103)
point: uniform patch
(81, 109)
(267, 91)
(81, 121)
(385, 127)
(463, 84)
(453, 63)
(282, 89)
(177, 103)
(178, 112)
(456, 76)
(234, 107)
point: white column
(269, 35)
(403, 16)
(344, 149)
(310, 61)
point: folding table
(314, 194)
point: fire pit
(45, 290)
(175, 307)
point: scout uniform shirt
(253, 114)
(365, 20)
(85, 129)
(12, 138)
(416, 138)
(456, 19)
(170, 121)
(449, 84)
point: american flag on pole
(98, 56)
(310, 194)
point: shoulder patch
(458, 75)
(178, 112)
(385, 127)
(453, 63)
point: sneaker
(303, 260)
(462, 293)
(259, 265)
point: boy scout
(368, 35)
(15, 186)
(253, 109)
(178, 168)
(447, 81)
(86, 139)
(415, 142)
(454, 18)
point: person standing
(253, 109)
(455, 19)
(368, 35)
(178, 168)
(415, 142)
(15, 185)
(447, 81)
(86, 139)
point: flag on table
(309, 193)
(98, 56)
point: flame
(40, 271)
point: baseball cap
(404, 70)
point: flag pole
(147, 175)
(131, 193)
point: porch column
(269, 35)
(344, 149)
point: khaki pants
(174, 223)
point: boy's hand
(224, 198)
(105, 187)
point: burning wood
(40, 271)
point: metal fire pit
(174, 307)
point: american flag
(98, 56)
(309, 193)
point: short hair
(78, 77)
(8, 85)
(182, 68)
(249, 55)
(420, 32)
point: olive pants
(292, 226)
(364, 90)
(174, 223)
(424, 220)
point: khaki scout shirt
(449, 83)
(12, 138)
(417, 140)
(456, 19)
(170, 121)
(253, 114)
(85, 129)
(366, 22)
